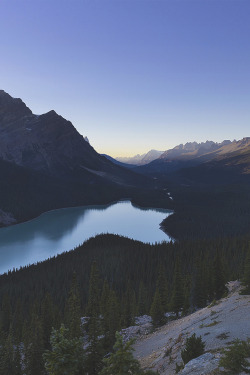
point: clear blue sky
(132, 74)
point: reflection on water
(61, 230)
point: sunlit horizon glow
(132, 75)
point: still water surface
(62, 230)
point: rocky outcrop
(218, 326)
(206, 364)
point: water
(62, 230)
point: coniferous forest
(109, 280)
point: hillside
(218, 326)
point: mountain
(47, 143)
(141, 159)
(45, 164)
(192, 150)
(125, 165)
(193, 154)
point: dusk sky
(132, 75)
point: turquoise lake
(61, 230)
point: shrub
(234, 359)
(194, 347)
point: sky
(132, 75)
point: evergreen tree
(47, 319)
(219, 279)
(34, 347)
(186, 303)
(10, 359)
(66, 354)
(156, 311)
(246, 274)
(235, 358)
(129, 306)
(122, 362)
(162, 286)
(194, 347)
(113, 319)
(6, 314)
(104, 309)
(142, 299)
(18, 321)
(73, 310)
(177, 299)
(199, 285)
(95, 348)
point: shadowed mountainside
(45, 164)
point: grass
(210, 324)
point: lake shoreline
(60, 230)
(109, 203)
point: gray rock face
(192, 149)
(203, 365)
(46, 143)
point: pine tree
(113, 319)
(104, 309)
(73, 310)
(199, 289)
(219, 279)
(129, 306)
(66, 354)
(47, 319)
(142, 299)
(246, 274)
(156, 311)
(34, 347)
(95, 348)
(162, 286)
(122, 362)
(177, 299)
(194, 347)
(235, 358)
(6, 314)
(186, 302)
(10, 360)
(18, 321)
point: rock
(203, 365)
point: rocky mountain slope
(195, 154)
(141, 159)
(47, 143)
(192, 150)
(218, 325)
(45, 164)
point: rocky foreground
(218, 325)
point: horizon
(132, 75)
(122, 155)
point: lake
(60, 230)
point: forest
(110, 280)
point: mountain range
(46, 164)
(235, 154)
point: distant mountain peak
(141, 159)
